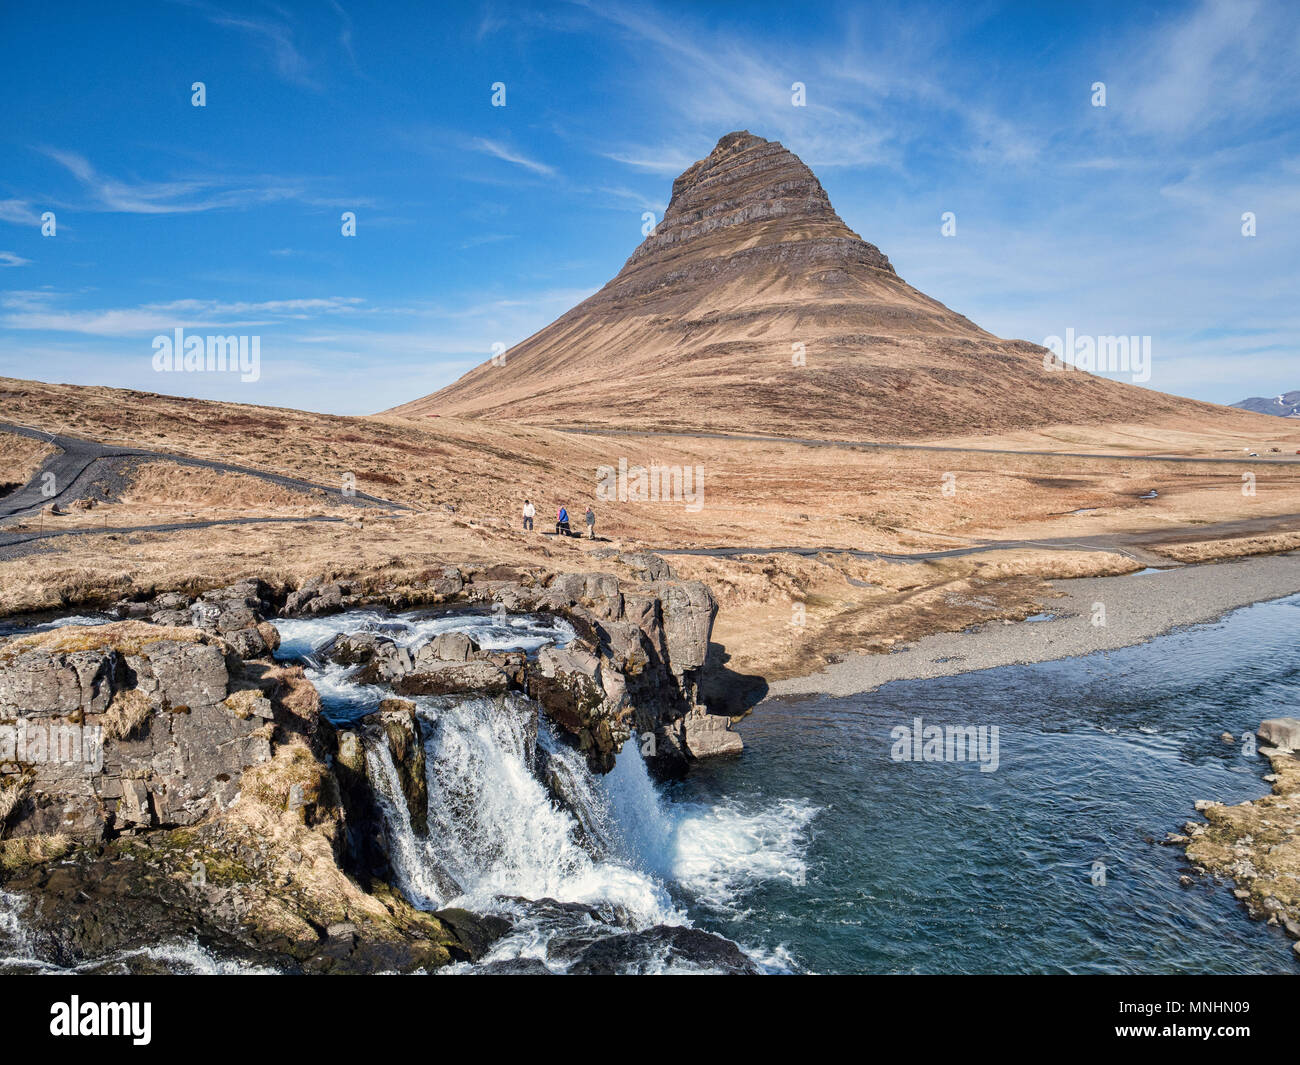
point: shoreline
(1138, 607)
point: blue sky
(477, 225)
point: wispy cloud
(19, 212)
(186, 195)
(274, 37)
(1227, 61)
(40, 311)
(8, 258)
(669, 161)
(509, 155)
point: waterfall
(496, 832)
(417, 871)
(518, 824)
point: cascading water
(496, 832)
(518, 824)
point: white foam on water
(718, 852)
(494, 830)
(726, 849)
(13, 936)
(190, 958)
(492, 632)
(56, 623)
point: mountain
(1286, 405)
(750, 272)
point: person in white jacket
(529, 512)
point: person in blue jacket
(562, 521)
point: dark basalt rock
(353, 648)
(641, 952)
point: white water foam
(717, 852)
(492, 632)
(494, 830)
(20, 629)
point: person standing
(590, 519)
(562, 521)
(529, 512)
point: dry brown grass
(466, 481)
(1207, 550)
(168, 485)
(125, 637)
(128, 711)
(31, 850)
(12, 792)
(21, 457)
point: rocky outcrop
(641, 660)
(1281, 733)
(650, 951)
(637, 664)
(215, 805)
(126, 727)
(1257, 843)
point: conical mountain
(752, 307)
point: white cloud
(1230, 61)
(509, 155)
(37, 311)
(19, 212)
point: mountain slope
(1286, 405)
(753, 307)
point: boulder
(448, 647)
(353, 648)
(709, 735)
(648, 951)
(646, 566)
(1280, 732)
(388, 664)
(568, 684)
(454, 678)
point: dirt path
(1279, 459)
(63, 475)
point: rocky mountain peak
(751, 193)
(752, 306)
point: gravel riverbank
(1134, 608)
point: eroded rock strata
(752, 307)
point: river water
(938, 867)
(821, 849)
